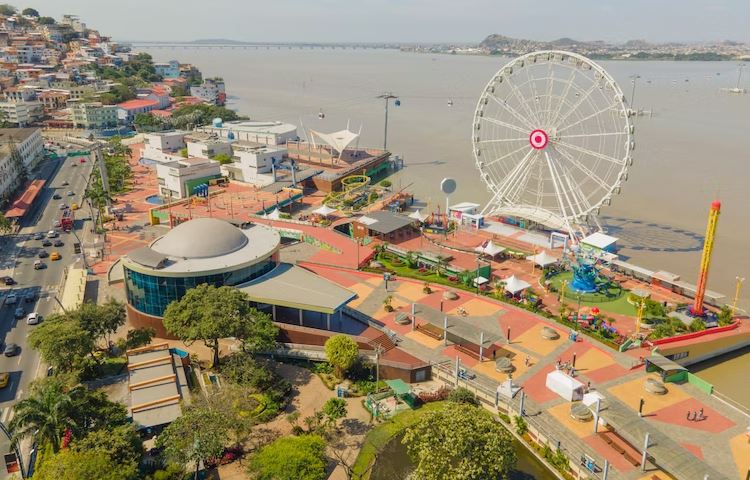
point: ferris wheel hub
(538, 139)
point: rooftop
(257, 127)
(137, 103)
(385, 222)
(16, 135)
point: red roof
(159, 90)
(138, 103)
(22, 204)
(161, 113)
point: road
(17, 256)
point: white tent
(275, 215)
(480, 280)
(417, 216)
(489, 248)
(336, 140)
(566, 386)
(543, 259)
(514, 284)
(324, 210)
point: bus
(66, 219)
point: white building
(267, 133)
(210, 91)
(206, 146)
(30, 147)
(177, 178)
(163, 146)
(253, 162)
(22, 113)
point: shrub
(436, 396)
(521, 425)
(463, 395)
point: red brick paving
(466, 360)
(535, 386)
(677, 415)
(605, 374)
(615, 459)
(694, 449)
(518, 322)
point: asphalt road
(17, 256)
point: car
(33, 318)
(4, 378)
(63, 206)
(20, 312)
(56, 196)
(56, 224)
(43, 254)
(65, 183)
(52, 234)
(83, 160)
(74, 164)
(11, 350)
(46, 243)
(71, 193)
(11, 298)
(9, 281)
(38, 236)
(38, 265)
(55, 256)
(29, 297)
(58, 243)
(74, 206)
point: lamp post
(388, 96)
(633, 79)
(737, 289)
(562, 298)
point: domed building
(216, 252)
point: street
(17, 256)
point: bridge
(261, 46)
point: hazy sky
(409, 20)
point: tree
(334, 410)
(122, 444)
(463, 395)
(80, 465)
(92, 410)
(724, 316)
(46, 21)
(61, 342)
(208, 313)
(139, 337)
(45, 413)
(237, 407)
(184, 152)
(170, 472)
(7, 10)
(241, 369)
(223, 158)
(461, 442)
(5, 224)
(290, 458)
(30, 12)
(100, 321)
(197, 436)
(341, 352)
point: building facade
(22, 114)
(210, 91)
(267, 133)
(93, 115)
(30, 148)
(176, 179)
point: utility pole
(388, 96)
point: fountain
(584, 275)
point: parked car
(11, 298)
(20, 312)
(43, 254)
(11, 350)
(38, 265)
(9, 281)
(71, 193)
(33, 318)
(46, 243)
(56, 196)
(38, 236)
(52, 234)
(58, 243)
(29, 297)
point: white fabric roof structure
(599, 240)
(543, 259)
(480, 280)
(591, 398)
(324, 210)
(336, 140)
(489, 249)
(275, 215)
(417, 216)
(567, 387)
(514, 284)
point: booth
(566, 386)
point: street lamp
(633, 79)
(737, 289)
(388, 96)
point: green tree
(184, 152)
(100, 321)
(61, 342)
(46, 21)
(122, 444)
(463, 395)
(223, 158)
(208, 313)
(81, 465)
(198, 435)
(45, 414)
(460, 442)
(341, 352)
(170, 472)
(7, 10)
(30, 12)
(241, 369)
(290, 458)
(334, 410)
(5, 224)
(725, 316)
(139, 337)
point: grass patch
(379, 436)
(615, 300)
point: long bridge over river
(259, 46)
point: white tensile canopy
(489, 248)
(336, 140)
(275, 215)
(480, 281)
(417, 216)
(564, 385)
(514, 284)
(324, 210)
(543, 259)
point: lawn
(379, 436)
(614, 301)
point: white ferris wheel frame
(576, 213)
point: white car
(11, 299)
(52, 234)
(33, 318)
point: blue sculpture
(584, 275)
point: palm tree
(46, 414)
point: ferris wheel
(552, 140)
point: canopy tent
(480, 281)
(398, 386)
(566, 386)
(489, 248)
(324, 210)
(514, 284)
(275, 215)
(417, 216)
(336, 140)
(543, 259)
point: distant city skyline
(410, 20)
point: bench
(618, 448)
(469, 349)
(631, 460)
(431, 331)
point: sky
(409, 20)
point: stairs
(383, 341)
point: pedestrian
(526, 362)
(688, 414)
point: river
(691, 151)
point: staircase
(382, 341)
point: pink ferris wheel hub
(538, 139)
